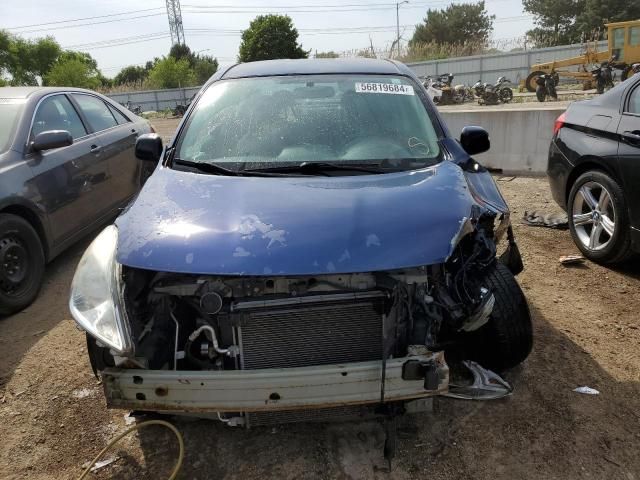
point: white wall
(519, 138)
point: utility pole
(175, 22)
(398, 24)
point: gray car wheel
(598, 219)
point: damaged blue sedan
(313, 244)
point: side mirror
(474, 140)
(51, 139)
(149, 147)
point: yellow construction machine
(623, 51)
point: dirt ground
(587, 332)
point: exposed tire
(600, 86)
(21, 264)
(541, 93)
(598, 219)
(551, 88)
(506, 340)
(530, 82)
(506, 95)
(625, 73)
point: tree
(269, 37)
(591, 19)
(171, 73)
(75, 69)
(132, 74)
(181, 51)
(555, 21)
(72, 72)
(572, 21)
(29, 60)
(205, 66)
(456, 24)
(330, 54)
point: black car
(67, 165)
(594, 172)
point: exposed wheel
(506, 340)
(506, 95)
(541, 93)
(625, 73)
(600, 85)
(530, 82)
(598, 219)
(552, 90)
(21, 264)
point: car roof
(314, 66)
(26, 92)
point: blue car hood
(207, 224)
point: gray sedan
(67, 165)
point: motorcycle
(489, 94)
(179, 110)
(630, 71)
(450, 95)
(546, 86)
(504, 89)
(603, 76)
(137, 110)
(434, 93)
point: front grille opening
(315, 334)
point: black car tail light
(559, 123)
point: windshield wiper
(205, 167)
(216, 169)
(319, 167)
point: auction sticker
(390, 88)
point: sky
(139, 31)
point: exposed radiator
(320, 330)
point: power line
(329, 29)
(91, 23)
(84, 18)
(166, 35)
(115, 40)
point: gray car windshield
(342, 119)
(9, 113)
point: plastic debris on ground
(587, 390)
(571, 259)
(101, 464)
(129, 419)
(557, 220)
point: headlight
(95, 301)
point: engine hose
(138, 426)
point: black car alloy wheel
(21, 263)
(598, 219)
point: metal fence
(487, 68)
(156, 99)
(468, 70)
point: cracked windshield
(314, 118)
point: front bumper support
(269, 389)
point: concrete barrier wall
(519, 138)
